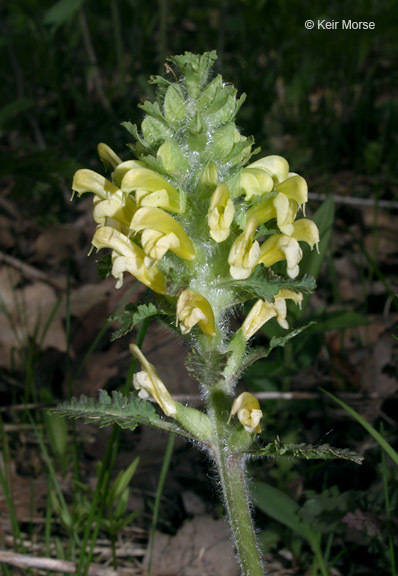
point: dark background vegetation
(71, 71)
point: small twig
(32, 272)
(354, 201)
(197, 399)
(25, 561)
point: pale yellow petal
(86, 180)
(149, 381)
(276, 166)
(108, 157)
(192, 309)
(163, 224)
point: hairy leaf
(131, 316)
(307, 452)
(125, 411)
(264, 284)
(207, 368)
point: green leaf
(338, 320)
(121, 482)
(368, 427)
(61, 12)
(132, 315)
(11, 110)
(282, 508)
(104, 266)
(155, 131)
(258, 353)
(125, 411)
(206, 367)
(307, 452)
(175, 108)
(264, 284)
(195, 68)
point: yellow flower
(86, 180)
(262, 311)
(295, 188)
(292, 193)
(151, 189)
(114, 209)
(220, 214)
(161, 232)
(244, 253)
(255, 182)
(121, 170)
(128, 257)
(306, 231)
(192, 309)
(276, 166)
(149, 384)
(109, 201)
(279, 207)
(247, 407)
(279, 247)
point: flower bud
(108, 157)
(247, 407)
(244, 253)
(220, 214)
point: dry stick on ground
(25, 561)
(388, 204)
(32, 272)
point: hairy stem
(231, 470)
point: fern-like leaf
(307, 452)
(126, 411)
(132, 315)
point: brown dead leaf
(166, 352)
(202, 547)
(28, 496)
(26, 316)
(56, 244)
(101, 367)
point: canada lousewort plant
(202, 225)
